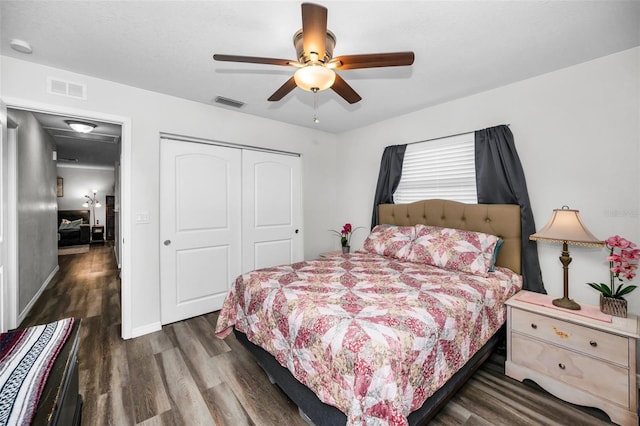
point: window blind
(443, 168)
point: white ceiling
(461, 47)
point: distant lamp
(316, 77)
(92, 201)
(80, 126)
(565, 226)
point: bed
(380, 336)
(73, 227)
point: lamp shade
(314, 77)
(565, 225)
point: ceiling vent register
(57, 86)
(228, 102)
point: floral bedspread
(372, 336)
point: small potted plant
(623, 262)
(345, 236)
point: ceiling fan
(316, 65)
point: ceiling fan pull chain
(315, 105)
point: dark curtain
(500, 180)
(388, 179)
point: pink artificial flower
(615, 258)
(616, 269)
(613, 241)
(618, 241)
(631, 254)
(623, 264)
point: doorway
(122, 182)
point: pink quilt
(372, 336)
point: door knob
(167, 242)
(297, 230)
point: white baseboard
(35, 298)
(146, 329)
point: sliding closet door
(200, 227)
(271, 210)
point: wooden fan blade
(373, 60)
(314, 29)
(253, 60)
(284, 90)
(343, 89)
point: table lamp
(566, 227)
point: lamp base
(566, 303)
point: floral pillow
(454, 249)
(390, 241)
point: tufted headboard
(502, 220)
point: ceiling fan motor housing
(304, 57)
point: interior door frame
(5, 305)
(125, 196)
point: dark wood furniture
(110, 218)
(60, 402)
(75, 237)
(97, 234)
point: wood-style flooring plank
(264, 402)
(204, 333)
(115, 407)
(146, 384)
(183, 375)
(196, 356)
(225, 407)
(182, 389)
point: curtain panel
(388, 178)
(500, 180)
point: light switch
(142, 217)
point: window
(443, 168)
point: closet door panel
(200, 227)
(271, 210)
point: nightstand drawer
(595, 376)
(606, 346)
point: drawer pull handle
(562, 366)
(534, 326)
(593, 343)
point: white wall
(79, 181)
(152, 113)
(577, 132)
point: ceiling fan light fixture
(80, 126)
(314, 77)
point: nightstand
(579, 359)
(97, 234)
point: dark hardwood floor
(183, 375)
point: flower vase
(346, 249)
(613, 306)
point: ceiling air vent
(69, 89)
(228, 102)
